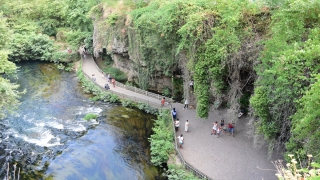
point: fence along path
(89, 67)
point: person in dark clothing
(106, 86)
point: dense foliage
(161, 141)
(234, 49)
(288, 63)
(9, 93)
(306, 123)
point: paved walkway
(89, 67)
(224, 158)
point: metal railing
(133, 98)
(184, 163)
(168, 105)
(138, 90)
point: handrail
(186, 165)
(133, 98)
(136, 99)
(138, 90)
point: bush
(292, 172)
(31, 46)
(116, 74)
(147, 108)
(127, 103)
(161, 142)
(90, 116)
(178, 172)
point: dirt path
(224, 158)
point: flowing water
(49, 139)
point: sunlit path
(224, 158)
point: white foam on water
(77, 128)
(41, 139)
(53, 123)
(86, 110)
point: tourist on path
(93, 77)
(186, 126)
(191, 85)
(162, 101)
(218, 131)
(231, 129)
(181, 141)
(113, 81)
(176, 125)
(109, 78)
(214, 128)
(222, 125)
(174, 113)
(106, 86)
(186, 103)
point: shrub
(178, 172)
(161, 141)
(127, 103)
(147, 108)
(116, 74)
(90, 116)
(292, 171)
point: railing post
(135, 89)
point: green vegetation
(267, 49)
(176, 172)
(232, 48)
(286, 72)
(9, 93)
(305, 125)
(90, 116)
(161, 141)
(90, 87)
(295, 171)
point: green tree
(31, 46)
(287, 63)
(8, 92)
(306, 124)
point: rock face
(115, 41)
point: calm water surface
(49, 139)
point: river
(49, 139)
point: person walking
(181, 141)
(163, 101)
(176, 125)
(93, 77)
(222, 125)
(214, 128)
(231, 129)
(109, 78)
(191, 83)
(113, 81)
(174, 113)
(106, 86)
(218, 131)
(186, 126)
(186, 103)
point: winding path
(224, 158)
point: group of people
(216, 129)
(111, 80)
(177, 125)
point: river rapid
(49, 139)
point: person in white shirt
(176, 125)
(181, 140)
(186, 126)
